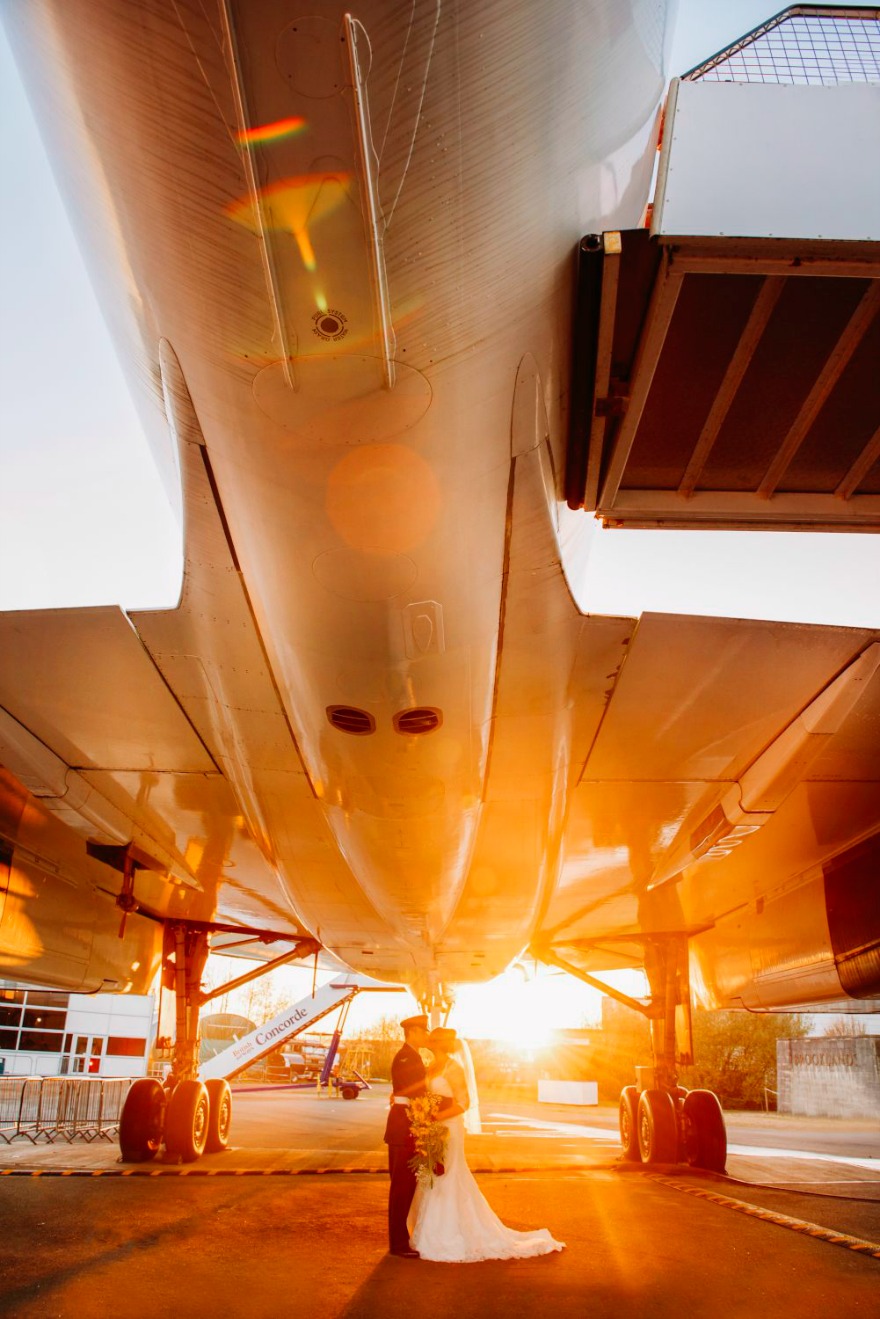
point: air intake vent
(350, 720)
(412, 723)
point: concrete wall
(829, 1077)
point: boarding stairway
(243, 1053)
(725, 370)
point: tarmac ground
(291, 1221)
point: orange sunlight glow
(523, 1009)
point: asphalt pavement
(254, 1232)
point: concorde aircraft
(337, 252)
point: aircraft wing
(713, 765)
(734, 761)
(671, 776)
(165, 728)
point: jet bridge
(727, 359)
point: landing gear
(182, 1116)
(703, 1130)
(142, 1122)
(658, 1127)
(629, 1126)
(660, 1122)
(187, 1120)
(675, 1124)
(219, 1115)
(190, 1117)
(195, 1119)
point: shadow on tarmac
(246, 1235)
(271, 1247)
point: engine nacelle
(59, 924)
(814, 942)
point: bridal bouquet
(430, 1138)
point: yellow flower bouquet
(430, 1137)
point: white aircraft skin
(336, 253)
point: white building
(43, 1033)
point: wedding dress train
(452, 1221)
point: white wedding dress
(451, 1221)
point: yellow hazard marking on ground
(772, 1216)
(173, 1170)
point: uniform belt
(399, 1099)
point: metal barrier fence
(50, 1108)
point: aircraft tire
(350, 1092)
(219, 1114)
(705, 1135)
(658, 1127)
(629, 1125)
(142, 1121)
(187, 1120)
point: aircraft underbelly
(348, 240)
(335, 251)
(377, 465)
(352, 357)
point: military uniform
(408, 1081)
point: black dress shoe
(409, 1253)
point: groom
(407, 1082)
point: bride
(451, 1220)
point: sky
(86, 521)
(520, 1006)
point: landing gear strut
(660, 1121)
(189, 1116)
(178, 1112)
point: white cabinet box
(568, 1092)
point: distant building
(43, 1033)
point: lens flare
(383, 499)
(294, 205)
(271, 132)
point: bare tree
(844, 1027)
(384, 1038)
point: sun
(523, 1009)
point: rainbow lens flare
(271, 132)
